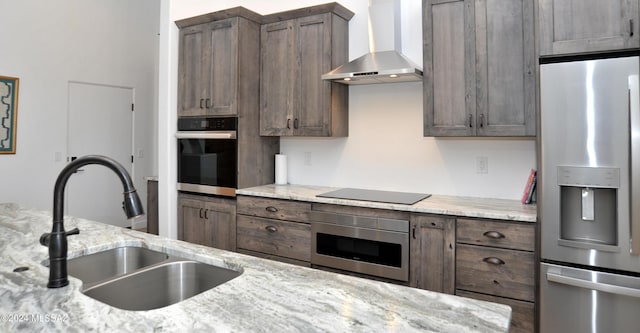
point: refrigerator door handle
(586, 284)
(634, 137)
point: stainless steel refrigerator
(589, 196)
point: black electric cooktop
(403, 198)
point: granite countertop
(501, 209)
(269, 296)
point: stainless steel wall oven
(208, 155)
(367, 245)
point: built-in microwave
(208, 155)
(366, 245)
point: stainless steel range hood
(379, 66)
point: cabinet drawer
(509, 235)
(280, 238)
(274, 208)
(522, 313)
(499, 272)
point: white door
(100, 123)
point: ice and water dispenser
(589, 204)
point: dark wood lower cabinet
(432, 253)
(209, 221)
(275, 237)
(522, 312)
(274, 229)
(490, 260)
(152, 207)
(495, 262)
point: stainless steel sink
(136, 278)
(97, 267)
(161, 285)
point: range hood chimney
(379, 66)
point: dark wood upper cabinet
(208, 69)
(297, 47)
(582, 26)
(216, 51)
(479, 68)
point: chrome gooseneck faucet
(57, 239)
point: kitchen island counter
(267, 297)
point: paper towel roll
(281, 169)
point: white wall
(49, 43)
(385, 148)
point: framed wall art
(8, 114)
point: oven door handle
(225, 135)
(599, 286)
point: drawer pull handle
(271, 228)
(493, 261)
(271, 209)
(493, 234)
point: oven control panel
(208, 124)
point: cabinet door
(432, 257)
(191, 223)
(222, 68)
(449, 68)
(505, 58)
(209, 221)
(220, 219)
(312, 107)
(576, 26)
(277, 79)
(208, 68)
(192, 84)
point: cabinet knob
(493, 235)
(295, 123)
(271, 228)
(493, 261)
(288, 123)
(470, 121)
(201, 101)
(271, 209)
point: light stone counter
(436, 204)
(268, 297)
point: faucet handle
(44, 239)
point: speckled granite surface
(268, 297)
(436, 204)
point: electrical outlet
(482, 164)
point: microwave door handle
(634, 147)
(599, 286)
(226, 135)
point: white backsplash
(386, 150)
